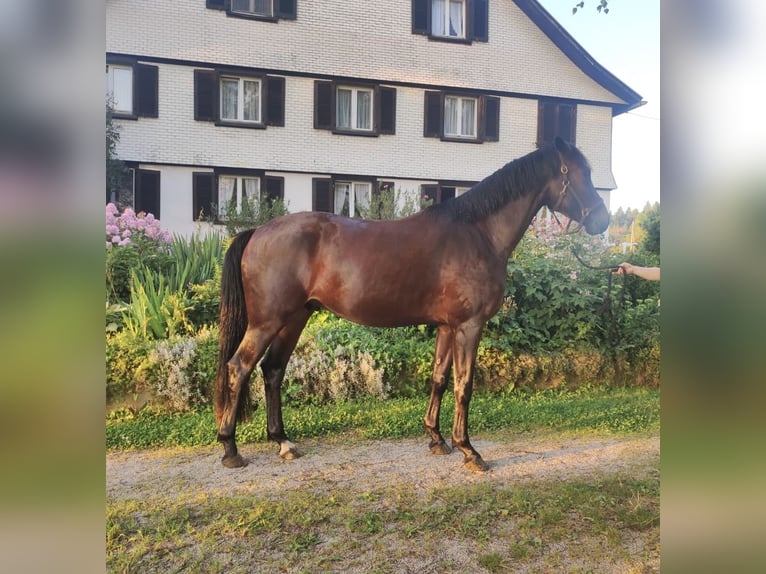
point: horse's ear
(561, 145)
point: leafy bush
(556, 327)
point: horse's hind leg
(273, 367)
(439, 381)
(240, 367)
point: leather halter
(584, 211)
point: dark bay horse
(444, 266)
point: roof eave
(580, 57)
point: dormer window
(463, 21)
(448, 18)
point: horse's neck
(507, 225)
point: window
(439, 193)
(215, 193)
(451, 20)
(353, 109)
(269, 10)
(356, 110)
(448, 18)
(239, 100)
(458, 117)
(351, 198)
(346, 196)
(132, 89)
(237, 194)
(119, 87)
(254, 7)
(556, 119)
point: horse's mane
(512, 181)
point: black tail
(233, 325)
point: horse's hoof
(475, 464)
(440, 448)
(288, 451)
(235, 461)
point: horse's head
(571, 191)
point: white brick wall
(368, 40)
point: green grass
(620, 411)
(544, 524)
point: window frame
(383, 108)
(323, 191)
(475, 21)
(252, 14)
(446, 21)
(486, 116)
(144, 91)
(558, 110)
(462, 99)
(241, 79)
(280, 10)
(206, 186)
(239, 189)
(444, 190)
(207, 98)
(354, 107)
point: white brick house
(308, 100)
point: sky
(626, 41)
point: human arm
(648, 273)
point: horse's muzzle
(596, 221)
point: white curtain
(343, 109)
(363, 110)
(438, 17)
(362, 193)
(251, 109)
(251, 193)
(342, 199)
(456, 18)
(451, 116)
(468, 115)
(227, 192)
(252, 6)
(229, 88)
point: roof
(580, 57)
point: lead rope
(611, 313)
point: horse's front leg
(439, 381)
(273, 367)
(465, 346)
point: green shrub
(124, 355)
(180, 370)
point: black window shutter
(432, 116)
(286, 9)
(421, 16)
(202, 195)
(323, 105)
(275, 187)
(275, 101)
(429, 192)
(205, 95)
(146, 90)
(546, 123)
(387, 110)
(148, 192)
(321, 195)
(491, 119)
(216, 4)
(567, 122)
(480, 20)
